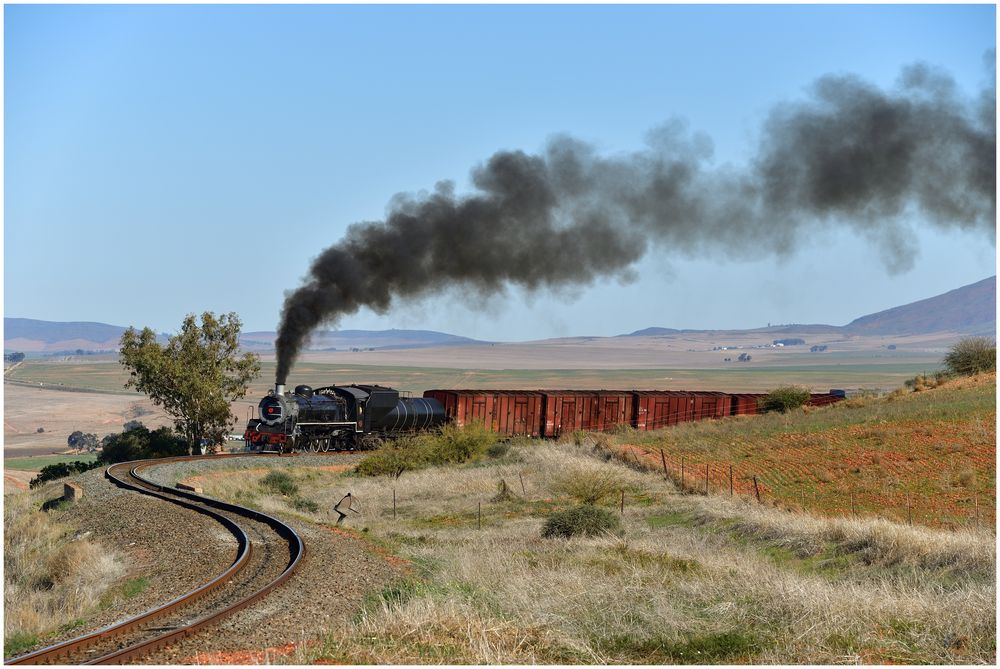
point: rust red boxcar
(745, 404)
(510, 412)
(655, 409)
(593, 410)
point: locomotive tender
(336, 418)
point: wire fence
(961, 509)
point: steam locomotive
(336, 418)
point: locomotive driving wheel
(325, 445)
(314, 445)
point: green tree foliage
(783, 399)
(132, 425)
(82, 441)
(194, 376)
(972, 355)
(141, 444)
(61, 469)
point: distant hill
(651, 332)
(969, 310)
(342, 340)
(34, 336)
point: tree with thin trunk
(194, 376)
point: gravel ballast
(176, 550)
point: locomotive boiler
(334, 418)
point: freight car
(356, 416)
(551, 413)
(335, 418)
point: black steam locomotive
(335, 418)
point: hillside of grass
(926, 457)
(678, 579)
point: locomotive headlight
(271, 410)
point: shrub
(140, 444)
(783, 399)
(451, 445)
(972, 355)
(588, 486)
(281, 483)
(303, 504)
(61, 469)
(455, 444)
(585, 519)
(403, 454)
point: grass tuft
(582, 520)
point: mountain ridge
(969, 310)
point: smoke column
(849, 155)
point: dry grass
(52, 577)
(694, 579)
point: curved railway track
(268, 552)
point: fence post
(521, 478)
(909, 511)
(394, 504)
(730, 480)
(663, 458)
(623, 502)
(682, 473)
(976, 498)
(756, 490)
(853, 512)
(706, 479)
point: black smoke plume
(851, 154)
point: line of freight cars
(550, 413)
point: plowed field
(927, 458)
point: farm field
(33, 464)
(87, 394)
(110, 376)
(925, 457)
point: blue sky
(162, 160)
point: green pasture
(879, 373)
(35, 463)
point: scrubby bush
(926, 381)
(61, 469)
(585, 519)
(588, 486)
(450, 445)
(783, 399)
(303, 504)
(972, 355)
(140, 444)
(281, 483)
(454, 444)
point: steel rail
(197, 503)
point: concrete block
(72, 492)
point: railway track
(268, 552)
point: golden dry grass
(52, 575)
(694, 579)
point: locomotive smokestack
(279, 389)
(850, 155)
